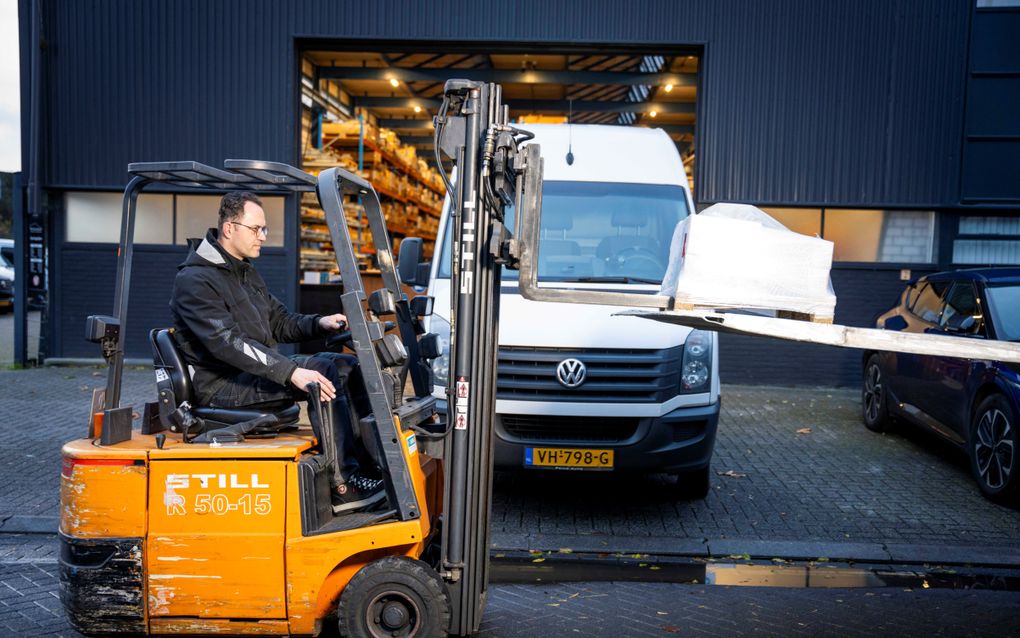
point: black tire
(394, 596)
(993, 449)
(694, 485)
(874, 410)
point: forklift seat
(174, 377)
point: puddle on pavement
(528, 569)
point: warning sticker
(461, 422)
(463, 388)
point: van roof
(627, 154)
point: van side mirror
(409, 262)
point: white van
(577, 387)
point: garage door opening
(370, 111)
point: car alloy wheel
(873, 396)
(993, 448)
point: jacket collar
(208, 252)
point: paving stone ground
(791, 465)
(774, 482)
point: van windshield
(599, 232)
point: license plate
(568, 458)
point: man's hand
(333, 323)
(303, 376)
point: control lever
(321, 416)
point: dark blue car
(973, 404)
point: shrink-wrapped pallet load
(736, 256)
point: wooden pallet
(780, 314)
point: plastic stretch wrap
(736, 256)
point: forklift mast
(494, 173)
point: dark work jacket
(227, 321)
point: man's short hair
(232, 205)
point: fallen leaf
(566, 550)
(538, 560)
(804, 431)
(732, 474)
(670, 629)
(822, 559)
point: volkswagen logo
(571, 373)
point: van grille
(613, 375)
(568, 428)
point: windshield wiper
(615, 279)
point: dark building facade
(892, 105)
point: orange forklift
(200, 520)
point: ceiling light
(394, 82)
(417, 109)
(667, 88)
(652, 113)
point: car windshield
(599, 232)
(1004, 306)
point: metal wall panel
(87, 273)
(841, 103)
(855, 103)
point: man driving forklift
(227, 327)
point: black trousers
(343, 371)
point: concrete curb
(764, 550)
(21, 524)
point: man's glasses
(258, 230)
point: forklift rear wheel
(394, 596)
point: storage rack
(411, 192)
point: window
(1004, 306)
(160, 219)
(866, 235)
(987, 241)
(198, 213)
(997, 4)
(806, 221)
(928, 306)
(961, 303)
(95, 217)
(912, 293)
(600, 230)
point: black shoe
(357, 493)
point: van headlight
(696, 366)
(441, 364)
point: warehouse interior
(371, 111)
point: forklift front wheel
(394, 596)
